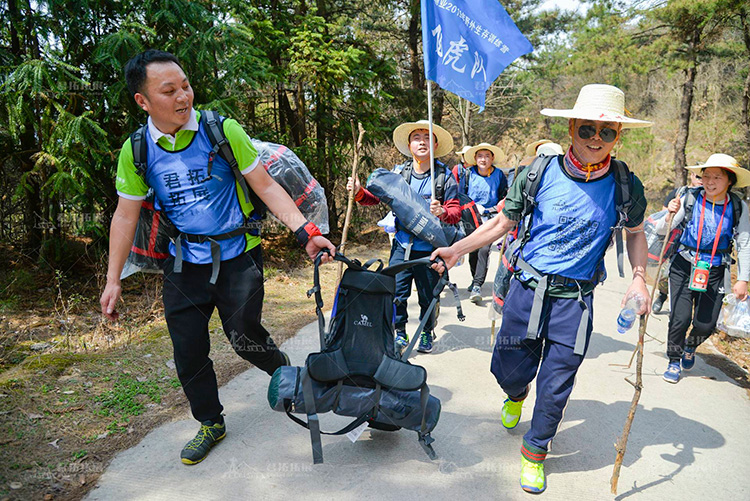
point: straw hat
(532, 147)
(725, 162)
(471, 154)
(402, 132)
(604, 103)
(463, 150)
(549, 149)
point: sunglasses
(588, 131)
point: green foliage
(123, 398)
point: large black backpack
(357, 372)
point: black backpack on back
(357, 372)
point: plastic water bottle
(627, 316)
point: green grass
(122, 399)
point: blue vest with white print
(192, 203)
(484, 190)
(571, 226)
(710, 225)
(422, 187)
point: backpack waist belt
(543, 284)
(252, 227)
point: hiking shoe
(688, 358)
(286, 358)
(672, 374)
(511, 413)
(532, 476)
(402, 341)
(198, 448)
(659, 303)
(476, 295)
(425, 343)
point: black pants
(699, 308)
(189, 302)
(479, 261)
(426, 279)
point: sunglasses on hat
(588, 131)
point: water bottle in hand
(627, 316)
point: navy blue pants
(516, 360)
(426, 279)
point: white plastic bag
(734, 318)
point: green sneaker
(198, 448)
(532, 476)
(511, 414)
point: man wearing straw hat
(412, 139)
(485, 183)
(547, 316)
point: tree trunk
(415, 32)
(466, 129)
(15, 20)
(438, 105)
(683, 131)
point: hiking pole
(350, 203)
(622, 443)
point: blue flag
(467, 44)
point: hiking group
(565, 206)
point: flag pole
(432, 143)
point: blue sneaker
(425, 343)
(688, 358)
(672, 374)
(402, 341)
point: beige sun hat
(725, 162)
(550, 149)
(471, 154)
(532, 147)
(463, 150)
(604, 103)
(402, 132)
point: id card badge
(699, 277)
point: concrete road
(688, 441)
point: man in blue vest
(547, 316)
(206, 271)
(486, 185)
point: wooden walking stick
(350, 203)
(622, 443)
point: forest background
(299, 73)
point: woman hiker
(485, 183)
(412, 140)
(547, 318)
(699, 275)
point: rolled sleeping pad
(411, 209)
(398, 408)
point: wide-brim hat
(599, 102)
(549, 149)
(402, 132)
(532, 147)
(463, 150)
(725, 162)
(471, 154)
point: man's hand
(353, 184)
(447, 254)
(317, 244)
(638, 286)
(436, 208)
(111, 295)
(674, 205)
(740, 290)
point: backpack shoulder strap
(440, 179)
(140, 150)
(736, 209)
(213, 124)
(534, 173)
(623, 202)
(405, 170)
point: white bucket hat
(471, 154)
(463, 150)
(603, 103)
(549, 149)
(725, 162)
(402, 132)
(532, 147)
